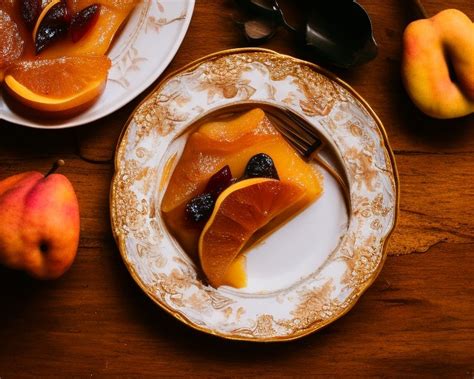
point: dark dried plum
(30, 10)
(219, 181)
(261, 166)
(84, 21)
(200, 207)
(54, 25)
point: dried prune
(261, 166)
(200, 207)
(54, 24)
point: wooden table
(417, 318)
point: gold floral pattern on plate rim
(264, 322)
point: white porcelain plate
(141, 52)
(307, 273)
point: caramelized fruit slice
(84, 21)
(209, 148)
(97, 41)
(52, 23)
(13, 9)
(231, 141)
(11, 43)
(61, 86)
(30, 11)
(240, 211)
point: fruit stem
(420, 11)
(55, 166)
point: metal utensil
(303, 137)
(338, 32)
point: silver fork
(305, 140)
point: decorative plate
(141, 52)
(306, 274)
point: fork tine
(296, 131)
(297, 144)
(295, 140)
(292, 132)
(291, 124)
(302, 124)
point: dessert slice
(240, 211)
(233, 142)
(97, 36)
(61, 86)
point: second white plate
(142, 51)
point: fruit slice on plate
(60, 86)
(11, 42)
(240, 211)
(97, 36)
(231, 141)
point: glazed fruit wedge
(231, 142)
(61, 86)
(240, 211)
(97, 36)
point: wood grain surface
(417, 318)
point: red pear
(39, 232)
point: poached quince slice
(98, 39)
(58, 87)
(231, 141)
(240, 211)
